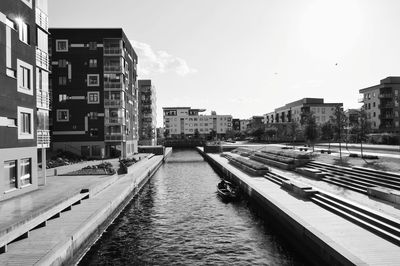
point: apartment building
(292, 112)
(147, 113)
(24, 101)
(188, 122)
(243, 124)
(236, 124)
(94, 92)
(381, 102)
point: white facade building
(188, 121)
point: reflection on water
(178, 220)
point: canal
(177, 219)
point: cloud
(155, 62)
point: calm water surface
(179, 220)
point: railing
(42, 99)
(113, 85)
(117, 103)
(388, 105)
(114, 120)
(387, 116)
(115, 137)
(42, 59)
(42, 19)
(112, 51)
(386, 95)
(108, 68)
(43, 138)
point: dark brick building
(95, 92)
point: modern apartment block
(243, 124)
(292, 112)
(187, 121)
(24, 100)
(94, 92)
(381, 102)
(147, 113)
(236, 124)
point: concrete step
(363, 213)
(337, 182)
(370, 227)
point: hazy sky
(248, 57)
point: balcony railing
(43, 138)
(115, 137)
(387, 116)
(42, 99)
(113, 85)
(386, 95)
(42, 59)
(114, 120)
(42, 19)
(113, 69)
(387, 106)
(113, 51)
(114, 103)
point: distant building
(24, 95)
(187, 122)
(381, 102)
(352, 116)
(94, 92)
(256, 122)
(243, 124)
(147, 113)
(236, 124)
(293, 111)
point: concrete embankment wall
(313, 245)
(71, 251)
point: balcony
(114, 103)
(386, 116)
(113, 51)
(386, 95)
(42, 19)
(112, 69)
(42, 59)
(113, 85)
(42, 99)
(114, 121)
(115, 137)
(386, 106)
(43, 138)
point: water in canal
(177, 219)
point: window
(10, 175)
(25, 80)
(62, 63)
(93, 115)
(92, 80)
(61, 45)
(62, 97)
(23, 31)
(92, 45)
(25, 123)
(25, 177)
(62, 80)
(63, 115)
(96, 151)
(92, 62)
(93, 97)
(94, 132)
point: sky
(248, 57)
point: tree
(339, 121)
(293, 130)
(310, 127)
(166, 133)
(258, 133)
(213, 134)
(230, 134)
(196, 133)
(362, 128)
(327, 132)
(149, 132)
(271, 132)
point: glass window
(93, 97)
(92, 62)
(25, 80)
(92, 80)
(62, 63)
(25, 177)
(62, 97)
(62, 80)
(63, 115)
(23, 31)
(61, 45)
(10, 174)
(25, 123)
(96, 151)
(92, 45)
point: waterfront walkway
(43, 245)
(355, 243)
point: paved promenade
(359, 245)
(43, 244)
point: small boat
(227, 191)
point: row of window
(63, 45)
(17, 178)
(93, 97)
(93, 80)
(62, 63)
